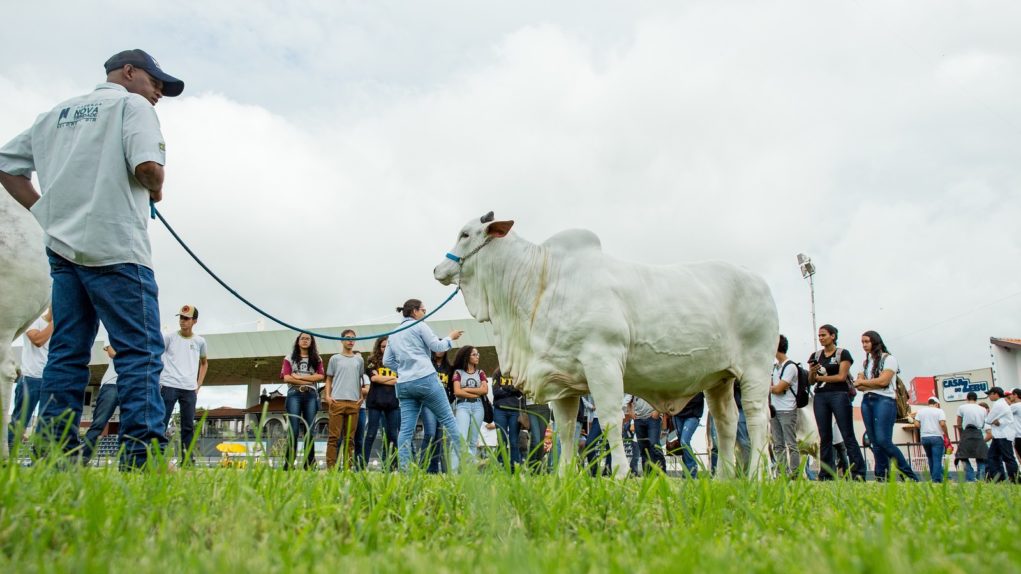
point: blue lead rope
(154, 213)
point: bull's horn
(486, 218)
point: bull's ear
(486, 218)
(499, 228)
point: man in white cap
(184, 370)
(931, 423)
(99, 158)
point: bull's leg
(7, 376)
(754, 400)
(565, 413)
(720, 399)
(607, 389)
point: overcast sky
(324, 154)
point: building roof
(1005, 342)
(256, 356)
(220, 413)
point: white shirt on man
(972, 415)
(1000, 411)
(928, 418)
(85, 151)
(1015, 410)
(33, 359)
(181, 360)
(787, 401)
(110, 376)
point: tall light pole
(807, 271)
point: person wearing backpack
(783, 396)
(829, 372)
(879, 405)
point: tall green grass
(260, 519)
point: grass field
(232, 520)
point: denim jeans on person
(187, 399)
(419, 394)
(508, 430)
(469, 415)
(879, 413)
(26, 399)
(934, 449)
(124, 297)
(538, 421)
(744, 443)
(1000, 462)
(597, 449)
(390, 421)
(301, 407)
(970, 472)
(363, 419)
(647, 436)
(106, 403)
(837, 405)
(784, 430)
(430, 452)
(686, 428)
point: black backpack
(801, 392)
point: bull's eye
(464, 235)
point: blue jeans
(933, 447)
(686, 428)
(744, 444)
(425, 393)
(301, 407)
(391, 423)
(469, 417)
(187, 400)
(509, 429)
(538, 421)
(837, 405)
(879, 414)
(597, 449)
(363, 421)
(647, 433)
(970, 474)
(26, 399)
(431, 451)
(106, 403)
(124, 297)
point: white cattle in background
(24, 289)
(569, 320)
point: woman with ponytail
(418, 384)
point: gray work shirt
(85, 150)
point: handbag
(487, 409)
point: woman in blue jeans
(418, 384)
(302, 371)
(508, 404)
(382, 407)
(470, 386)
(877, 380)
(686, 423)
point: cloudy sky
(324, 154)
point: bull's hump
(574, 240)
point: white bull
(570, 320)
(24, 290)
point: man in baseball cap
(140, 59)
(100, 158)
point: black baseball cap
(140, 59)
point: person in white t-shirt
(34, 354)
(784, 425)
(971, 419)
(877, 380)
(184, 369)
(1001, 449)
(343, 400)
(932, 424)
(1014, 398)
(106, 404)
